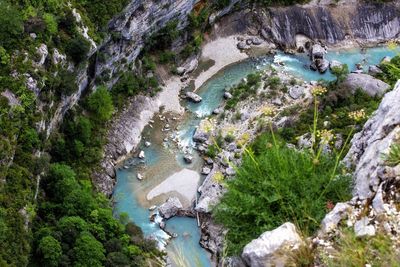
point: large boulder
(374, 70)
(317, 51)
(272, 247)
(170, 208)
(367, 83)
(193, 97)
(322, 64)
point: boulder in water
(193, 97)
(170, 208)
(322, 64)
(317, 51)
(335, 64)
(141, 155)
(188, 158)
(271, 248)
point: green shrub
(353, 251)
(100, 104)
(274, 185)
(78, 48)
(391, 71)
(393, 158)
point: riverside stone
(170, 208)
(193, 97)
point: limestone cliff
(362, 22)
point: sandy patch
(223, 52)
(184, 182)
(169, 96)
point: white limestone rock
(367, 83)
(269, 249)
(170, 208)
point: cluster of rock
(247, 43)
(318, 60)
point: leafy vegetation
(243, 90)
(276, 184)
(353, 251)
(391, 71)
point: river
(164, 170)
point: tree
(88, 251)
(61, 181)
(51, 23)
(100, 104)
(11, 24)
(50, 250)
(340, 72)
(78, 48)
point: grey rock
(335, 64)
(180, 70)
(217, 111)
(242, 46)
(272, 247)
(147, 144)
(322, 64)
(188, 158)
(256, 41)
(141, 155)
(227, 95)
(374, 70)
(367, 83)
(210, 192)
(305, 141)
(191, 65)
(193, 97)
(42, 53)
(363, 228)
(317, 51)
(170, 208)
(296, 92)
(332, 219)
(205, 170)
(377, 203)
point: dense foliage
(276, 184)
(65, 222)
(391, 70)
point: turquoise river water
(164, 158)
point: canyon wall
(362, 22)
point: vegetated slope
(65, 222)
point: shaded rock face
(269, 249)
(373, 22)
(374, 140)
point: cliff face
(139, 20)
(331, 23)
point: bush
(78, 48)
(353, 251)
(100, 104)
(274, 185)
